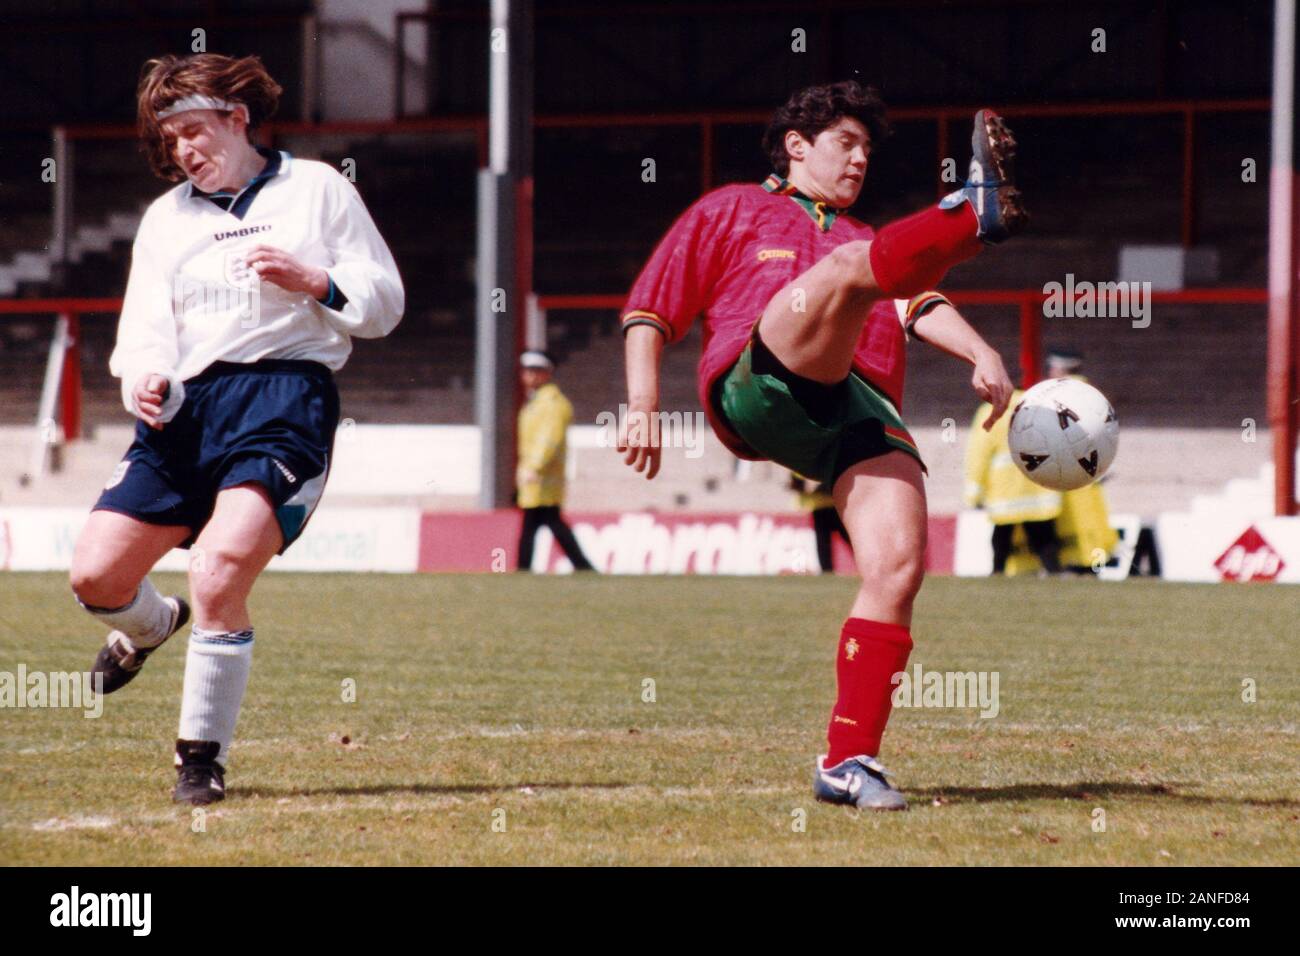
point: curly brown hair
(814, 108)
(166, 79)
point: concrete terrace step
(1157, 470)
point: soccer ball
(1063, 434)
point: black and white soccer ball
(1063, 434)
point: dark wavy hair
(815, 108)
(169, 78)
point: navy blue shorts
(270, 422)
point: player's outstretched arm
(945, 329)
(638, 434)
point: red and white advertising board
(404, 540)
(1197, 547)
(337, 539)
(651, 543)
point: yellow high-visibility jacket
(994, 483)
(808, 496)
(543, 424)
(1084, 526)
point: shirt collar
(238, 203)
(824, 214)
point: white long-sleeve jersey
(191, 300)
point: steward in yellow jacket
(1013, 502)
(994, 483)
(1084, 524)
(1018, 508)
(817, 500)
(539, 478)
(543, 424)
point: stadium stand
(1098, 183)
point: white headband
(197, 101)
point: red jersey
(728, 254)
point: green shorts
(817, 431)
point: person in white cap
(539, 478)
(248, 281)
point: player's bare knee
(898, 573)
(911, 578)
(853, 263)
(99, 586)
(218, 580)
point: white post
(534, 324)
(1282, 264)
(487, 350)
(504, 242)
(47, 429)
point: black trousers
(826, 524)
(548, 516)
(1042, 541)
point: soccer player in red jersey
(806, 313)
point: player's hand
(991, 383)
(279, 268)
(149, 393)
(638, 440)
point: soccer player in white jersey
(248, 281)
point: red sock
(910, 256)
(871, 653)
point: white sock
(216, 674)
(146, 621)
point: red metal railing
(707, 121)
(1028, 302)
(70, 381)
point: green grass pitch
(500, 720)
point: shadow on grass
(1097, 790)
(433, 789)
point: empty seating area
(597, 220)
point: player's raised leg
(911, 255)
(813, 323)
(112, 557)
(234, 547)
(882, 503)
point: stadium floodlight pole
(505, 247)
(1283, 239)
